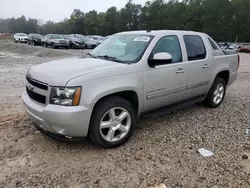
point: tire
(210, 99)
(71, 46)
(53, 45)
(101, 111)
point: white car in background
(20, 37)
(96, 38)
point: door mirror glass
(161, 58)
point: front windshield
(37, 35)
(79, 36)
(125, 48)
(56, 36)
(22, 34)
(86, 39)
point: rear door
(199, 69)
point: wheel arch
(224, 74)
(128, 94)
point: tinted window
(213, 44)
(171, 45)
(195, 47)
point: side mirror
(160, 59)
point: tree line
(224, 20)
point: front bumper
(91, 46)
(23, 40)
(61, 120)
(61, 44)
(78, 45)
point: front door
(165, 84)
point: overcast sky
(55, 10)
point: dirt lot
(163, 150)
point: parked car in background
(75, 41)
(90, 44)
(55, 41)
(245, 48)
(224, 45)
(98, 39)
(101, 96)
(34, 39)
(20, 37)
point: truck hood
(59, 72)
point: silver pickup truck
(128, 75)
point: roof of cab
(162, 32)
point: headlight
(65, 96)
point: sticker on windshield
(142, 39)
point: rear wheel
(216, 94)
(112, 123)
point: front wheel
(53, 45)
(216, 94)
(112, 123)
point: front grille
(62, 41)
(35, 96)
(37, 84)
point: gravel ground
(163, 149)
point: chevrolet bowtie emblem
(30, 87)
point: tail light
(238, 62)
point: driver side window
(171, 45)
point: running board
(167, 109)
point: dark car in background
(55, 41)
(76, 41)
(34, 39)
(90, 44)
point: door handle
(180, 70)
(206, 66)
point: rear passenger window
(213, 44)
(195, 47)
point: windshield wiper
(91, 55)
(111, 58)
